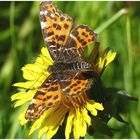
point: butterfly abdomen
(75, 65)
(78, 65)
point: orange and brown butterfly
(70, 75)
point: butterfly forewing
(79, 37)
(55, 27)
(47, 96)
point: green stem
(12, 27)
(133, 127)
(111, 20)
(130, 61)
(6, 73)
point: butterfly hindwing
(75, 84)
(55, 26)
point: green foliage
(21, 40)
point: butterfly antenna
(33, 83)
(39, 75)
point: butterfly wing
(79, 37)
(47, 96)
(75, 83)
(55, 26)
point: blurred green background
(21, 40)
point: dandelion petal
(69, 124)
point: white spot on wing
(33, 101)
(52, 15)
(40, 108)
(45, 39)
(43, 12)
(43, 24)
(30, 111)
(52, 46)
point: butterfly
(70, 73)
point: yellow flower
(103, 60)
(75, 110)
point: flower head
(76, 111)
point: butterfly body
(70, 66)
(70, 74)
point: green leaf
(119, 92)
(99, 126)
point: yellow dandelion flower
(76, 111)
(105, 58)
